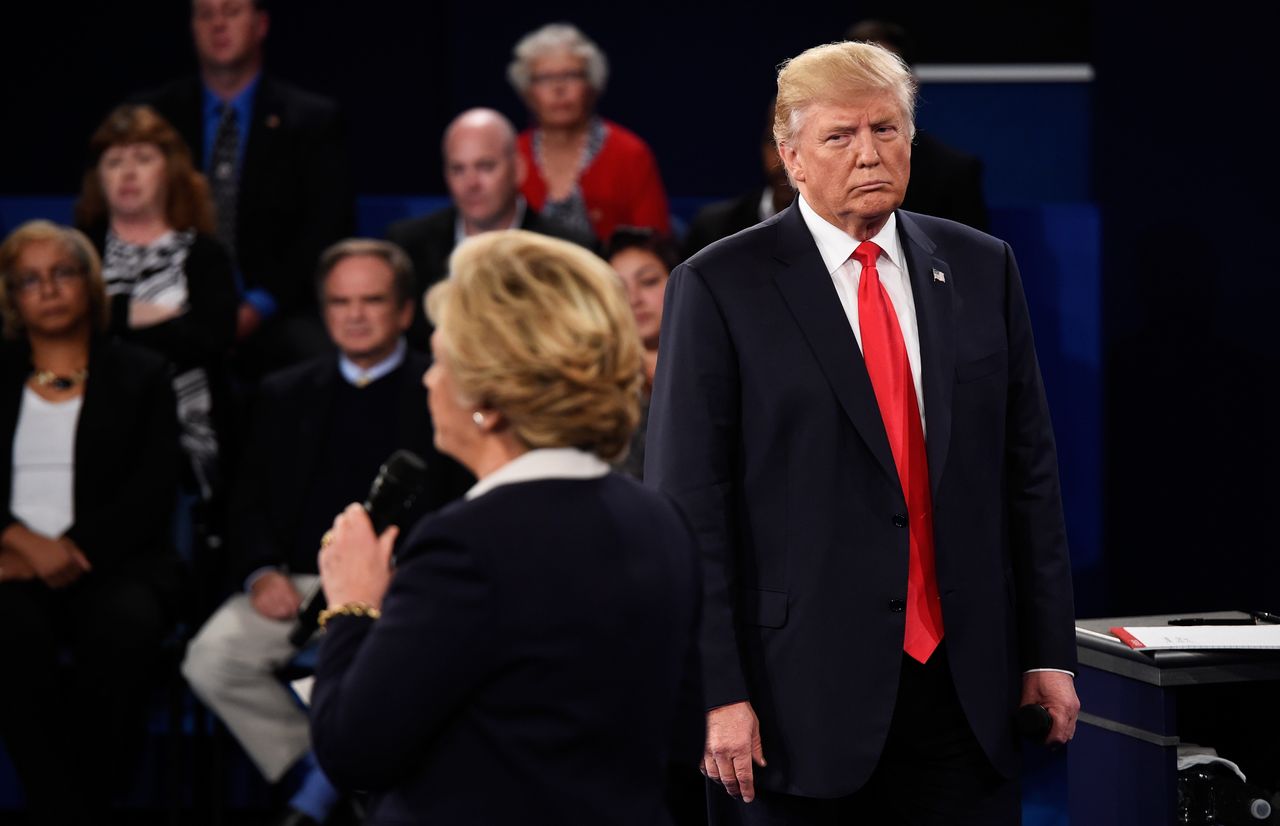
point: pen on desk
(1265, 616)
(1212, 621)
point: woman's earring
(478, 418)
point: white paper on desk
(302, 688)
(1195, 637)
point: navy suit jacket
(535, 663)
(765, 429)
(296, 196)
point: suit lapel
(811, 297)
(935, 318)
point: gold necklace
(48, 378)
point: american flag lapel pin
(939, 277)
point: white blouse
(44, 446)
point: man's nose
(866, 153)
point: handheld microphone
(392, 495)
(1033, 722)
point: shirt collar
(836, 245)
(357, 376)
(543, 463)
(460, 233)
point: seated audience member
(724, 218)
(278, 170)
(88, 480)
(318, 434)
(536, 660)
(643, 259)
(168, 279)
(945, 182)
(483, 171)
(584, 171)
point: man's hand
(248, 319)
(733, 744)
(273, 596)
(1055, 691)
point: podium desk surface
(1097, 648)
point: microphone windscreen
(1033, 722)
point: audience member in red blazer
(584, 171)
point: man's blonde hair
(834, 72)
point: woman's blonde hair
(74, 243)
(539, 330)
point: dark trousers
(932, 771)
(78, 665)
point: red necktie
(885, 355)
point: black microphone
(394, 490)
(1033, 722)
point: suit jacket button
(899, 520)
(897, 606)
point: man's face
(852, 161)
(227, 33)
(483, 173)
(364, 316)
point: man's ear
(791, 161)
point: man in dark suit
(483, 171)
(278, 171)
(876, 606)
(318, 434)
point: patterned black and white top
(156, 273)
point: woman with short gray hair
(584, 171)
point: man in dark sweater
(319, 432)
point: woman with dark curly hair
(537, 638)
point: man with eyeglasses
(277, 164)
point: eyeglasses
(552, 78)
(60, 276)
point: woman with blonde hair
(88, 478)
(537, 637)
(169, 281)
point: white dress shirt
(836, 247)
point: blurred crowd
(207, 367)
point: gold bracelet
(349, 609)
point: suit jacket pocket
(980, 368)
(764, 607)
